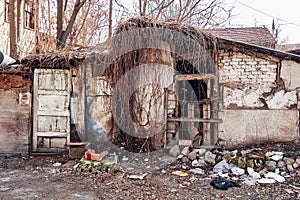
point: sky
(250, 13)
(286, 15)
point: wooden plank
(53, 113)
(51, 134)
(182, 119)
(49, 92)
(35, 108)
(77, 143)
(186, 77)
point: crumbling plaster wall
(259, 100)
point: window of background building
(6, 8)
(29, 20)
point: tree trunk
(65, 34)
(12, 30)
(59, 22)
(110, 19)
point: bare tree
(110, 19)
(62, 35)
(197, 12)
(12, 29)
(73, 22)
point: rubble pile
(98, 163)
(248, 166)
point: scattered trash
(76, 166)
(222, 167)
(140, 176)
(252, 173)
(125, 158)
(277, 157)
(276, 170)
(249, 181)
(109, 163)
(237, 171)
(275, 176)
(295, 187)
(289, 191)
(222, 184)
(4, 189)
(180, 173)
(197, 171)
(266, 181)
(57, 164)
(91, 155)
(222, 195)
(192, 179)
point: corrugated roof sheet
(260, 36)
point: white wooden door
(51, 114)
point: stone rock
(174, 151)
(281, 164)
(185, 159)
(185, 151)
(200, 151)
(290, 168)
(196, 153)
(271, 165)
(192, 156)
(295, 165)
(298, 160)
(197, 171)
(209, 157)
(198, 163)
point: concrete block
(241, 127)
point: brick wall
(245, 79)
(15, 118)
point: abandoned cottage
(159, 83)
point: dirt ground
(40, 178)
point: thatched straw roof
(141, 33)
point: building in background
(25, 26)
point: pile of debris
(246, 166)
(98, 163)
